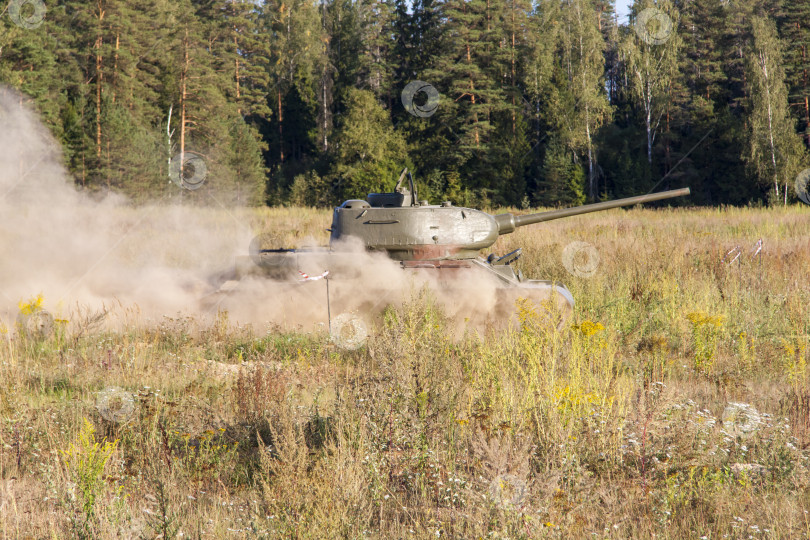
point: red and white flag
(757, 248)
(734, 250)
(307, 277)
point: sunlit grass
(675, 402)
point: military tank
(440, 242)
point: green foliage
(309, 189)
(563, 178)
(651, 67)
(774, 152)
(85, 461)
(368, 152)
(267, 92)
(584, 106)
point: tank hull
(476, 294)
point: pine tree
(701, 27)
(699, 143)
(417, 41)
(473, 72)
(375, 18)
(296, 44)
(471, 89)
(538, 80)
(247, 55)
(794, 29)
(562, 176)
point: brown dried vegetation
(675, 404)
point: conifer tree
(794, 29)
(296, 44)
(532, 94)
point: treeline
(545, 102)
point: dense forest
(489, 102)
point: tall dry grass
(675, 404)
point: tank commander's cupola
(401, 196)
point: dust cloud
(361, 284)
(82, 253)
(86, 254)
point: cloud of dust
(360, 283)
(154, 261)
(77, 251)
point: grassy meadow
(675, 403)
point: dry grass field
(674, 404)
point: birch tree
(650, 55)
(583, 62)
(774, 149)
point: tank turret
(409, 229)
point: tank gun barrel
(509, 222)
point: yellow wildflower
(699, 318)
(589, 328)
(32, 306)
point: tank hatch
(389, 200)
